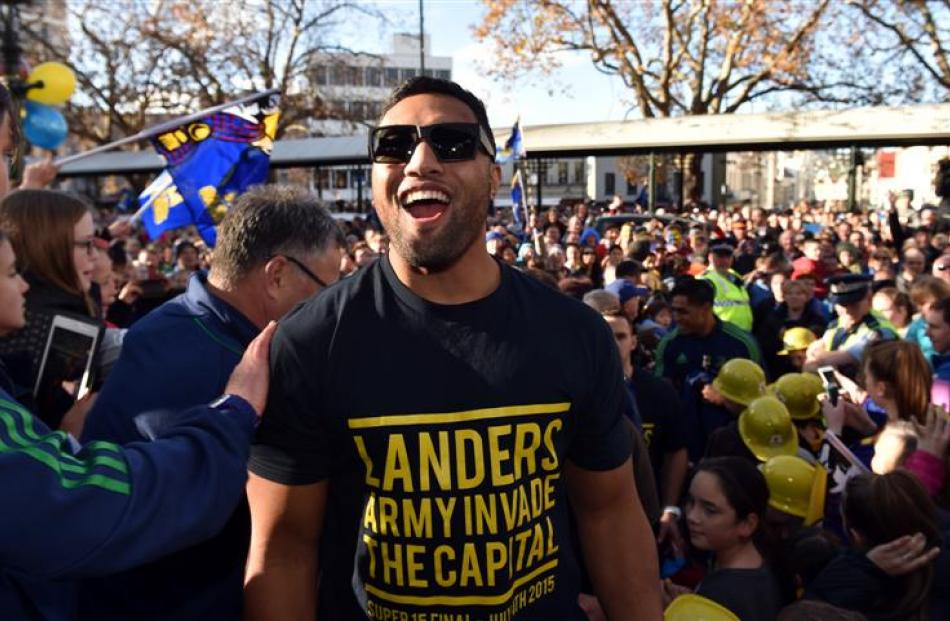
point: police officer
(843, 343)
(732, 300)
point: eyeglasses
(305, 270)
(452, 142)
(89, 245)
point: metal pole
(164, 127)
(651, 192)
(852, 178)
(542, 170)
(422, 41)
(682, 181)
(359, 189)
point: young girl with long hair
(878, 509)
(52, 237)
(725, 513)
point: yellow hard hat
(692, 607)
(799, 392)
(740, 380)
(796, 487)
(767, 430)
(797, 339)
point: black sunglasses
(305, 270)
(452, 142)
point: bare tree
(675, 56)
(139, 60)
(909, 41)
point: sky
(449, 24)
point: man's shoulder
(542, 300)
(353, 294)
(732, 332)
(170, 316)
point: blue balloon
(44, 126)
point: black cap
(722, 248)
(848, 288)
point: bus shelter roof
(926, 124)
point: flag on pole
(514, 146)
(518, 211)
(210, 161)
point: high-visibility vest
(837, 338)
(732, 300)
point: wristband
(674, 510)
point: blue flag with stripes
(209, 163)
(514, 146)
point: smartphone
(832, 387)
(68, 357)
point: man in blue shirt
(690, 356)
(938, 329)
(276, 247)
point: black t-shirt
(661, 413)
(752, 594)
(442, 432)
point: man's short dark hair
(269, 220)
(424, 85)
(697, 292)
(628, 267)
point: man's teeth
(426, 195)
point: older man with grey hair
(276, 247)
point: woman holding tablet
(53, 237)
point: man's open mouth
(426, 205)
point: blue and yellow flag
(517, 200)
(209, 163)
(514, 146)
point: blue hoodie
(179, 355)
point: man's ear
(274, 273)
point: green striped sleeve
(101, 465)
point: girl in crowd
(52, 236)
(897, 378)
(725, 512)
(878, 509)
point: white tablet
(68, 356)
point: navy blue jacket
(179, 355)
(70, 513)
(679, 358)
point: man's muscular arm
(282, 565)
(617, 542)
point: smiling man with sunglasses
(438, 489)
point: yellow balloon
(58, 80)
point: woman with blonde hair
(53, 238)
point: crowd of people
(746, 407)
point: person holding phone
(83, 511)
(53, 237)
